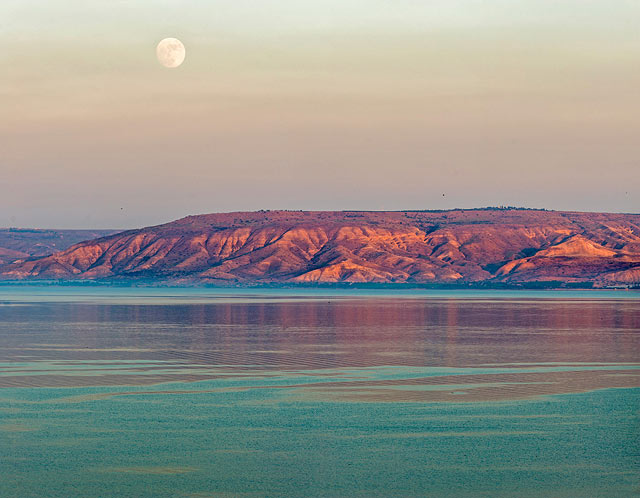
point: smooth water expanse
(209, 392)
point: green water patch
(270, 442)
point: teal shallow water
(270, 442)
(287, 395)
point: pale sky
(325, 104)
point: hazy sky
(324, 104)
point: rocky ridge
(502, 246)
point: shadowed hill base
(477, 246)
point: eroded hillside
(492, 245)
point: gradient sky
(325, 104)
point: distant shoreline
(132, 283)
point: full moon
(170, 52)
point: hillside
(19, 243)
(502, 246)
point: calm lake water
(204, 392)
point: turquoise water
(172, 295)
(260, 394)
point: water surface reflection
(66, 343)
